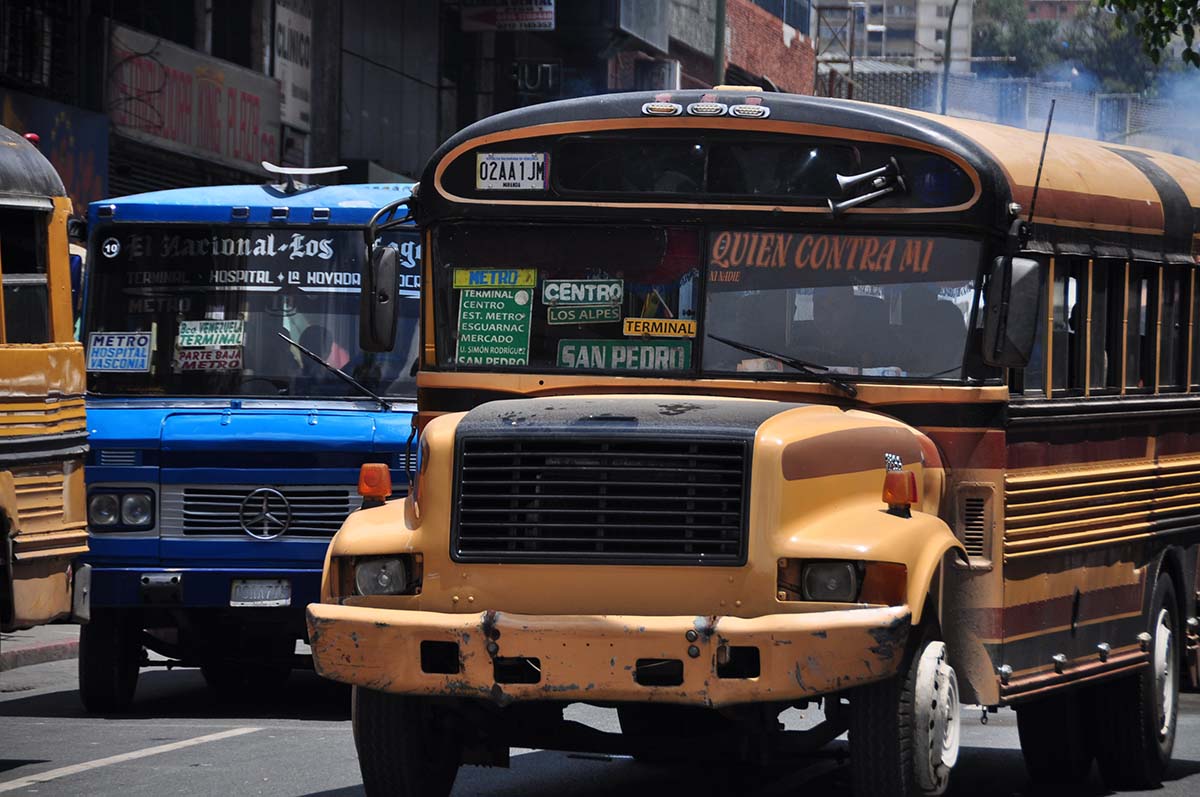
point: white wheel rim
(937, 728)
(1164, 672)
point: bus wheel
(405, 747)
(1055, 739)
(110, 654)
(904, 732)
(1135, 715)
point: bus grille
(619, 500)
(207, 510)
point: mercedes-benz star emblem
(265, 514)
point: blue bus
(230, 409)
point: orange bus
(43, 435)
(731, 402)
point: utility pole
(719, 46)
(946, 57)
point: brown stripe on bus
(1095, 208)
(969, 448)
(849, 451)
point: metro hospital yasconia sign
(190, 102)
(884, 257)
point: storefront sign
(766, 258)
(118, 351)
(293, 61)
(74, 141)
(493, 327)
(507, 15)
(179, 99)
(619, 355)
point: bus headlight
(104, 510)
(136, 509)
(831, 582)
(113, 510)
(381, 577)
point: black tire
(883, 733)
(1133, 740)
(406, 748)
(1056, 738)
(110, 655)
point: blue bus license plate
(261, 592)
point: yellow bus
(43, 435)
(732, 402)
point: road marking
(75, 769)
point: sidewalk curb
(38, 654)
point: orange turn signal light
(900, 488)
(374, 481)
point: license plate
(510, 171)
(261, 592)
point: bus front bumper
(703, 661)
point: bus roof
(1095, 198)
(347, 204)
(25, 173)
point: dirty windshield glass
(582, 298)
(198, 310)
(864, 305)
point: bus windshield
(197, 311)
(651, 299)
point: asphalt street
(183, 739)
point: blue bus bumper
(193, 587)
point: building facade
(137, 96)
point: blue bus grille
(618, 500)
(221, 509)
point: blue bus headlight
(104, 510)
(137, 509)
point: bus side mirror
(1013, 302)
(377, 308)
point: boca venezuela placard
(745, 260)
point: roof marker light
(106, 211)
(320, 214)
(749, 111)
(242, 212)
(279, 214)
(707, 109)
(660, 108)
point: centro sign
(582, 292)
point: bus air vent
(975, 519)
(615, 499)
(119, 457)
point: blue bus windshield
(195, 310)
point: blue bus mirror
(1012, 302)
(377, 312)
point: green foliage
(1001, 30)
(1157, 22)
(1104, 46)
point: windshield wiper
(345, 377)
(818, 372)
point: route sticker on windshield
(578, 292)
(660, 328)
(118, 351)
(227, 359)
(511, 171)
(493, 327)
(583, 314)
(200, 334)
(495, 278)
(620, 355)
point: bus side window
(1105, 328)
(1194, 329)
(1069, 340)
(1032, 379)
(26, 292)
(1172, 369)
(1140, 338)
